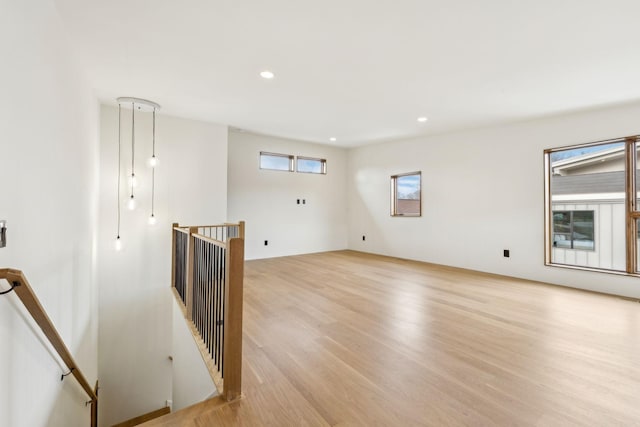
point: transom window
(406, 194)
(311, 165)
(276, 162)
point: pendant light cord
(133, 144)
(119, 157)
(153, 169)
(153, 190)
(153, 153)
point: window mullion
(630, 204)
(548, 211)
(571, 228)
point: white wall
(482, 193)
(135, 298)
(266, 199)
(48, 185)
(192, 382)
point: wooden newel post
(94, 407)
(241, 227)
(232, 368)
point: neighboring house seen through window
(590, 218)
(573, 230)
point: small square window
(276, 162)
(311, 165)
(406, 199)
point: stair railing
(21, 287)
(207, 280)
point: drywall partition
(268, 200)
(48, 182)
(482, 192)
(192, 382)
(135, 333)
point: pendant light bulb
(131, 204)
(118, 244)
(153, 220)
(153, 161)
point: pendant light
(118, 242)
(141, 105)
(131, 204)
(153, 162)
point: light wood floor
(349, 339)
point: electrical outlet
(304, 201)
(505, 253)
(266, 243)
(298, 201)
(363, 238)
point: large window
(406, 194)
(592, 216)
(276, 162)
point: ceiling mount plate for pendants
(140, 104)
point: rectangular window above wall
(311, 165)
(406, 194)
(276, 162)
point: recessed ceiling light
(332, 139)
(266, 74)
(422, 119)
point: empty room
(340, 213)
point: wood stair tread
(190, 412)
(144, 418)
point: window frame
(632, 214)
(270, 154)
(394, 196)
(323, 165)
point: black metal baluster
(217, 299)
(208, 300)
(222, 300)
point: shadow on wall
(132, 358)
(367, 226)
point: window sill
(595, 270)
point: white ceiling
(360, 70)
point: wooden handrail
(25, 293)
(210, 240)
(185, 229)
